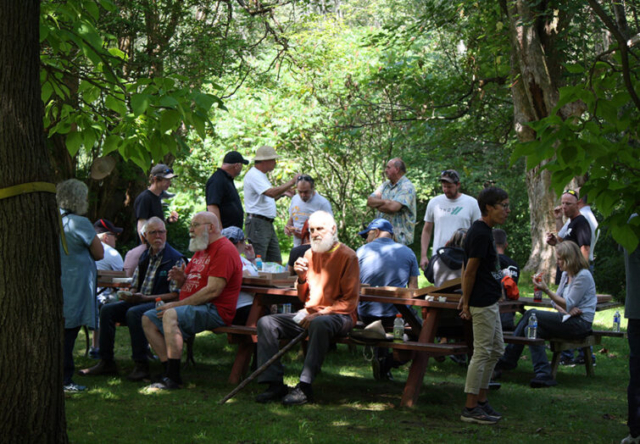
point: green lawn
(351, 406)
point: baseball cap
(234, 157)
(234, 234)
(380, 224)
(450, 176)
(161, 170)
(106, 226)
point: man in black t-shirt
(481, 291)
(222, 196)
(578, 231)
(148, 204)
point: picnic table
(422, 346)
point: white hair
(72, 196)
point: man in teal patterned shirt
(395, 201)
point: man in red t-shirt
(209, 289)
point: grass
(351, 407)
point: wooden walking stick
(264, 366)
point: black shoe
(166, 384)
(101, 368)
(566, 361)
(140, 372)
(299, 396)
(541, 382)
(493, 385)
(275, 392)
(461, 360)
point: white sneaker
(630, 440)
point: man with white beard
(329, 285)
(209, 289)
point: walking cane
(264, 366)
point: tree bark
(31, 318)
(536, 72)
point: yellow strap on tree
(35, 187)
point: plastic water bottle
(398, 329)
(616, 321)
(159, 303)
(259, 262)
(533, 327)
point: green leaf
(198, 124)
(73, 142)
(625, 236)
(169, 120)
(140, 103)
(168, 102)
(108, 5)
(115, 105)
(111, 143)
(574, 68)
(46, 92)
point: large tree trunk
(537, 72)
(31, 319)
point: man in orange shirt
(329, 285)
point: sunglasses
(573, 193)
(450, 174)
(305, 178)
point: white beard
(323, 245)
(199, 243)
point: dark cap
(106, 226)
(161, 170)
(380, 224)
(450, 176)
(234, 157)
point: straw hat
(102, 167)
(266, 152)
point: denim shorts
(192, 319)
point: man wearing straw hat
(260, 204)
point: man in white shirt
(260, 204)
(446, 213)
(305, 202)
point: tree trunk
(31, 318)
(535, 90)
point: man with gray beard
(329, 285)
(209, 289)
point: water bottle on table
(398, 329)
(532, 328)
(259, 262)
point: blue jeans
(633, 390)
(550, 325)
(131, 315)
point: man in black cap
(223, 199)
(148, 203)
(445, 214)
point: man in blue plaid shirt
(150, 281)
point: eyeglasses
(195, 225)
(156, 232)
(305, 178)
(503, 205)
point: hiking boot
(72, 387)
(275, 392)
(140, 372)
(489, 410)
(477, 416)
(543, 382)
(298, 396)
(101, 368)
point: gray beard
(199, 243)
(323, 245)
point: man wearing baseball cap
(148, 203)
(112, 260)
(260, 203)
(384, 262)
(222, 196)
(445, 214)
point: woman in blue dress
(78, 266)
